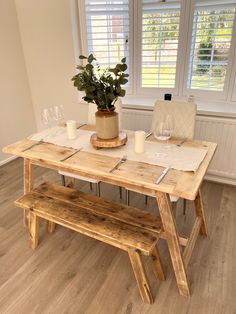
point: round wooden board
(114, 142)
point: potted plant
(102, 87)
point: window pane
(211, 40)
(160, 37)
(108, 30)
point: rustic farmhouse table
(136, 176)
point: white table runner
(156, 153)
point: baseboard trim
(5, 161)
(220, 179)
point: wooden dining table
(135, 176)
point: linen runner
(163, 154)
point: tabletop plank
(133, 175)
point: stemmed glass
(165, 130)
(46, 117)
(57, 114)
(168, 127)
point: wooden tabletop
(132, 175)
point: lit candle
(71, 129)
(139, 140)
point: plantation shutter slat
(211, 40)
(107, 23)
(160, 36)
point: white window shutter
(160, 39)
(107, 25)
(213, 24)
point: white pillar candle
(139, 140)
(71, 129)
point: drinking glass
(168, 128)
(164, 130)
(58, 113)
(46, 117)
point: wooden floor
(70, 273)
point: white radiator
(210, 128)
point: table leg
(172, 238)
(200, 212)
(28, 186)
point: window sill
(218, 109)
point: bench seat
(131, 229)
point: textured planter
(107, 124)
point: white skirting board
(216, 129)
(5, 161)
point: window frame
(155, 91)
(207, 94)
(232, 80)
(180, 90)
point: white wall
(16, 112)
(46, 33)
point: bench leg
(51, 226)
(157, 265)
(33, 229)
(140, 275)
(200, 213)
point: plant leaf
(122, 93)
(79, 67)
(111, 96)
(91, 88)
(89, 67)
(119, 67)
(123, 81)
(91, 58)
(123, 67)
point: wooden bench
(125, 227)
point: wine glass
(57, 113)
(46, 117)
(168, 128)
(162, 131)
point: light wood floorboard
(71, 273)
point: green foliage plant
(101, 87)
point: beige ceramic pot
(107, 124)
